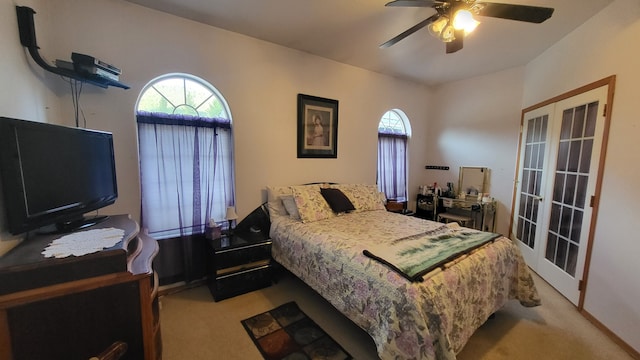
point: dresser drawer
(243, 281)
(237, 256)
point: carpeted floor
(195, 327)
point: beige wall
(606, 45)
(259, 80)
(484, 132)
(471, 122)
(476, 123)
(21, 91)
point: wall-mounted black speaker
(26, 26)
(27, 31)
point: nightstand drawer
(238, 256)
(222, 273)
(239, 263)
(240, 282)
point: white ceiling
(350, 32)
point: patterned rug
(287, 333)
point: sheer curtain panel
(392, 165)
(186, 172)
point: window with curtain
(186, 155)
(393, 136)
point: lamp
(444, 28)
(435, 28)
(231, 215)
(448, 33)
(463, 20)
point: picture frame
(317, 127)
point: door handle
(537, 197)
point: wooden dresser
(76, 307)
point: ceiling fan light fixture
(436, 27)
(448, 33)
(463, 20)
(441, 24)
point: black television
(52, 175)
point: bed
(431, 317)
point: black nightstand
(239, 263)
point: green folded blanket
(416, 255)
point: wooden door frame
(610, 82)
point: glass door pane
(570, 186)
(532, 174)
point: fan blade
(456, 44)
(410, 31)
(532, 14)
(412, 3)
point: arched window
(186, 155)
(393, 135)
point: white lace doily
(83, 242)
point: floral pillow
(311, 205)
(364, 197)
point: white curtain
(392, 166)
(186, 175)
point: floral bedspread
(432, 319)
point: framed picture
(317, 127)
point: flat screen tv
(52, 175)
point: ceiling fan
(454, 18)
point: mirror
(472, 180)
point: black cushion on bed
(337, 200)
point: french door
(558, 169)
